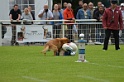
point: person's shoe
(17, 44)
(104, 49)
(12, 44)
(118, 49)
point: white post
(0, 34)
(63, 30)
(81, 50)
(50, 4)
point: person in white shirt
(121, 33)
(45, 14)
(122, 9)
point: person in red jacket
(112, 22)
(68, 15)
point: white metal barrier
(90, 27)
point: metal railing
(92, 30)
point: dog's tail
(45, 49)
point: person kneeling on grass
(69, 48)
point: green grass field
(27, 64)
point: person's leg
(70, 36)
(116, 37)
(106, 40)
(102, 35)
(58, 30)
(93, 33)
(13, 35)
(97, 35)
(54, 31)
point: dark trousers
(13, 40)
(57, 30)
(107, 36)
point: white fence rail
(90, 27)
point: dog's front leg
(57, 53)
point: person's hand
(73, 20)
(43, 11)
(17, 20)
(46, 19)
(11, 20)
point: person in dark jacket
(112, 22)
(99, 4)
(80, 2)
(99, 31)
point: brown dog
(55, 45)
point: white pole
(0, 34)
(63, 30)
(50, 3)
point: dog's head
(23, 28)
(46, 30)
(64, 40)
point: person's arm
(31, 18)
(65, 15)
(19, 15)
(60, 15)
(121, 21)
(41, 14)
(77, 16)
(96, 16)
(89, 14)
(10, 15)
(104, 20)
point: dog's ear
(65, 40)
(68, 40)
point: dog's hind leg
(45, 49)
(55, 49)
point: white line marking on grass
(95, 79)
(107, 65)
(32, 78)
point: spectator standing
(99, 4)
(15, 14)
(91, 8)
(99, 30)
(84, 13)
(112, 22)
(65, 26)
(57, 15)
(65, 5)
(30, 10)
(60, 7)
(80, 5)
(122, 32)
(92, 29)
(69, 15)
(45, 14)
(26, 15)
(122, 9)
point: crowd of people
(83, 11)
